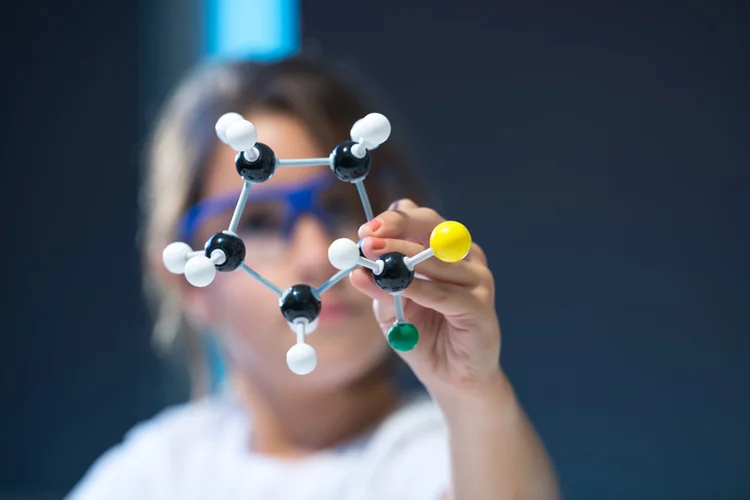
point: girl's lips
(335, 311)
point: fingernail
(369, 228)
(393, 206)
(377, 243)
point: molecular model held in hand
(300, 304)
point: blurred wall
(608, 183)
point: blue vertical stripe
(252, 29)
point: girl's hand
(454, 312)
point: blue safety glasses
(272, 210)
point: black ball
(348, 167)
(300, 301)
(232, 246)
(259, 170)
(361, 252)
(395, 276)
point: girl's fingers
(362, 280)
(383, 307)
(408, 221)
(446, 298)
(460, 273)
(476, 254)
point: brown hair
(184, 139)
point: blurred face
(287, 251)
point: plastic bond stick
(305, 162)
(240, 207)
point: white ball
(343, 253)
(200, 271)
(301, 359)
(373, 128)
(175, 256)
(223, 123)
(241, 135)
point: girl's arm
(495, 452)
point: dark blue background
(599, 154)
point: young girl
(348, 430)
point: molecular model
(300, 304)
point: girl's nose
(309, 245)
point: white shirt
(199, 451)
